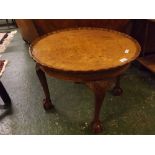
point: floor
(132, 113)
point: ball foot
(117, 91)
(47, 104)
(96, 127)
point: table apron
(84, 77)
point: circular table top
(84, 49)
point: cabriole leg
(42, 78)
(99, 89)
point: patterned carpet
(5, 39)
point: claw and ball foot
(99, 88)
(47, 104)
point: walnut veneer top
(85, 49)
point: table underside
(98, 82)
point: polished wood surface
(85, 49)
(87, 55)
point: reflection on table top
(85, 49)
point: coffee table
(93, 56)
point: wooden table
(93, 56)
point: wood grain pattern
(85, 49)
(87, 55)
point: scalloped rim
(84, 28)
